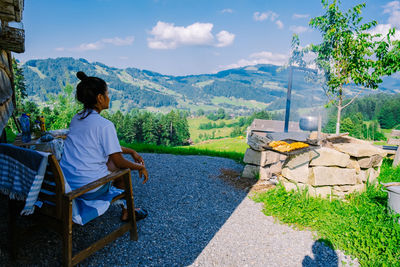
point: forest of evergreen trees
(364, 118)
(367, 115)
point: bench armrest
(86, 188)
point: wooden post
(288, 99)
(67, 232)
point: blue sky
(179, 37)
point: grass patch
(388, 173)
(362, 226)
(195, 132)
(186, 150)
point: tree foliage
(350, 54)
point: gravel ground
(195, 219)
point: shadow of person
(324, 255)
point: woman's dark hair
(87, 91)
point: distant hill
(239, 90)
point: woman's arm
(122, 163)
(134, 154)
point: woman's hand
(137, 157)
(134, 154)
(143, 172)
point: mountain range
(239, 91)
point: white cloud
(224, 38)
(87, 47)
(227, 10)
(117, 41)
(393, 9)
(168, 36)
(260, 16)
(272, 16)
(264, 57)
(300, 16)
(279, 24)
(298, 29)
(384, 30)
(269, 15)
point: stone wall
(339, 168)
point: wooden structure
(56, 212)
(7, 98)
(11, 38)
(11, 10)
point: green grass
(194, 124)
(361, 226)
(215, 150)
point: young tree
(350, 55)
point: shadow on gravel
(324, 255)
(187, 206)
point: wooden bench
(58, 215)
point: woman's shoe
(140, 214)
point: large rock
(292, 185)
(320, 176)
(349, 188)
(321, 191)
(256, 142)
(358, 148)
(265, 173)
(369, 174)
(330, 157)
(260, 158)
(368, 162)
(298, 174)
(276, 168)
(353, 164)
(251, 171)
(293, 162)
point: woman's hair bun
(81, 75)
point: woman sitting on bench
(91, 149)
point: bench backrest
(52, 189)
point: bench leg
(67, 233)
(12, 229)
(131, 206)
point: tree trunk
(339, 111)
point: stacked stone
(262, 164)
(338, 170)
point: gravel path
(195, 219)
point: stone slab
(368, 162)
(300, 159)
(330, 157)
(276, 168)
(251, 171)
(353, 164)
(320, 176)
(260, 158)
(359, 149)
(265, 173)
(321, 191)
(298, 174)
(292, 185)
